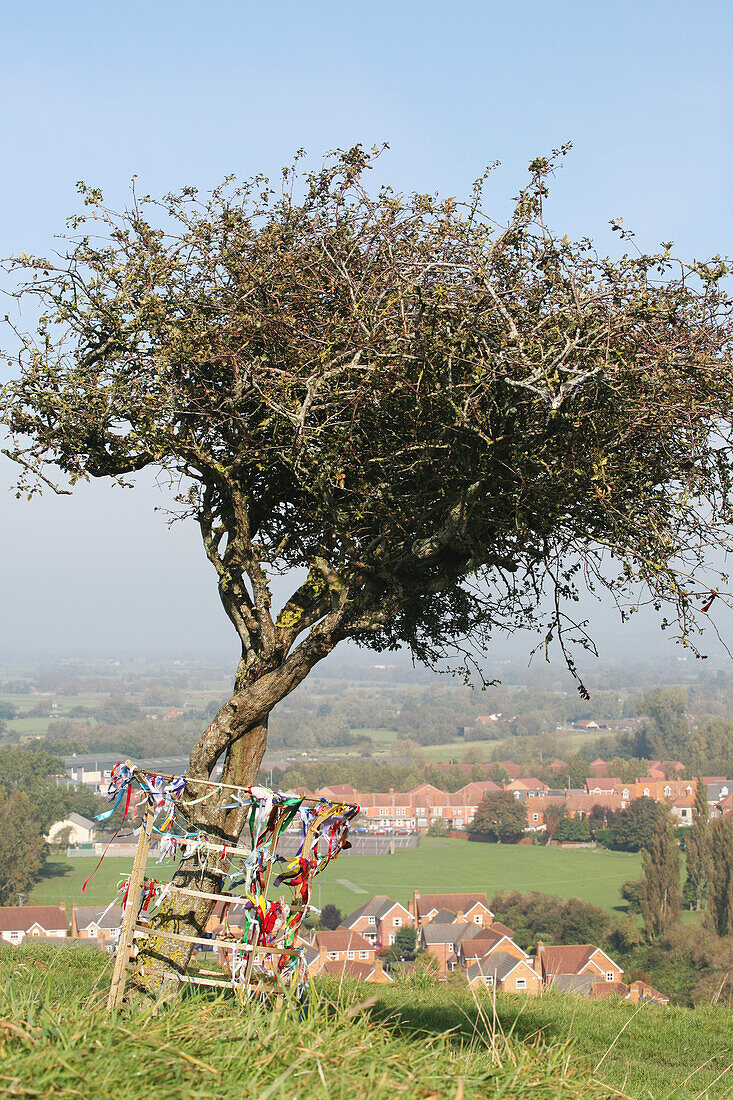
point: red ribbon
(104, 853)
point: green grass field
(595, 875)
(415, 1040)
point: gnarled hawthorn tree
(438, 418)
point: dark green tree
(500, 816)
(720, 886)
(435, 419)
(659, 894)
(573, 828)
(554, 817)
(22, 849)
(698, 849)
(631, 893)
(539, 916)
(35, 772)
(666, 734)
(635, 827)
(331, 916)
(404, 948)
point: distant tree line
(30, 802)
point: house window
(363, 954)
(667, 792)
(451, 947)
(688, 790)
(333, 954)
(535, 817)
(397, 922)
(350, 955)
(92, 932)
(521, 983)
(15, 937)
(372, 920)
(489, 979)
(624, 793)
(477, 918)
(646, 792)
(609, 975)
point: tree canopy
(499, 816)
(436, 418)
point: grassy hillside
(411, 1041)
(595, 875)
(56, 1040)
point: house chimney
(378, 970)
(538, 957)
(415, 900)
(459, 917)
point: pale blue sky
(185, 92)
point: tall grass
(56, 1040)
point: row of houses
(462, 934)
(459, 931)
(50, 923)
(418, 808)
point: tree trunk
(239, 730)
(160, 958)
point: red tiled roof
(566, 958)
(19, 918)
(502, 929)
(479, 946)
(341, 939)
(455, 903)
(339, 791)
(586, 802)
(423, 789)
(478, 788)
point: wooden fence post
(129, 917)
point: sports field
(595, 875)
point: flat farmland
(437, 866)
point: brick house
(91, 922)
(683, 809)
(642, 992)
(379, 920)
(343, 945)
(19, 921)
(506, 973)
(472, 908)
(443, 941)
(577, 959)
(475, 948)
(318, 962)
(339, 792)
(458, 943)
(527, 787)
(600, 785)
